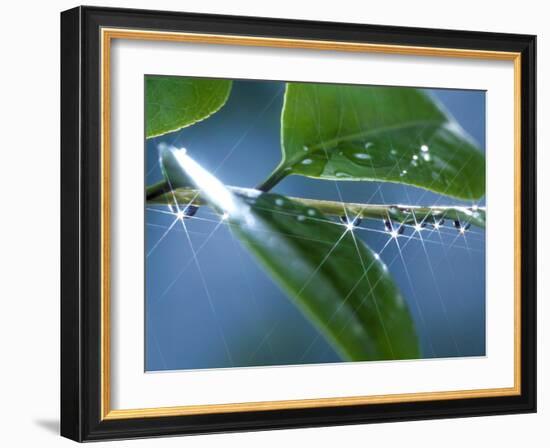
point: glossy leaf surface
(394, 134)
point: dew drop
(368, 145)
(306, 149)
(362, 156)
(301, 218)
(424, 148)
(353, 222)
(190, 210)
(307, 162)
(426, 157)
(415, 157)
(279, 202)
(311, 212)
(403, 173)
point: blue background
(258, 322)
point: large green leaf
(174, 102)
(338, 282)
(394, 134)
(333, 277)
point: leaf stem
(274, 178)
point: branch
(406, 214)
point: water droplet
(368, 145)
(301, 218)
(186, 212)
(377, 256)
(456, 223)
(424, 148)
(403, 173)
(474, 208)
(279, 202)
(393, 152)
(362, 156)
(311, 212)
(307, 162)
(426, 157)
(190, 210)
(353, 222)
(387, 225)
(341, 174)
(306, 149)
(415, 157)
(414, 163)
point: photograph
(291, 223)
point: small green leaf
(395, 134)
(174, 102)
(338, 282)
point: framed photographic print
(273, 224)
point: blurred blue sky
(186, 322)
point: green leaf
(394, 134)
(324, 268)
(174, 102)
(333, 278)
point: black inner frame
(81, 224)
